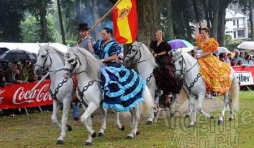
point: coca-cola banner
(19, 96)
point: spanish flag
(125, 21)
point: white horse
(61, 90)
(188, 68)
(87, 69)
(139, 54)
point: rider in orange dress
(215, 73)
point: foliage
(30, 30)
(228, 39)
(11, 13)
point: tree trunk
(221, 26)
(44, 26)
(77, 3)
(96, 17)
(61, 22)
(145, 21)
(251, 19)
(170, 29)
(194, 3)
(207, 12)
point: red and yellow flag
(125, 21)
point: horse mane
(147, 53)
(60, 53)
(93, 64)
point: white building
(236, 24)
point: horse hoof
(187, 116)
(129, 137)
(122, 128)
(211, 117)
(138, 132)
(172, 114)
(220, 122)
(100, 135)
(88, 144)
(69, 128)
(94, 134)
(230, 119)
(155, 114)
(149, 122)
(190, 126)
(59, 142)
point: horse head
(133, 55)
(72, 62)
(43, 59)
(178, 59)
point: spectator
(248, 60)
(237, 56)
(13, 75)
(2, 79)
(233, 62)
(229, 57)
(240, 63)
(222, 57)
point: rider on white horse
(215, 73)
(164, 73)
(123, 88)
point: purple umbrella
(181, 44)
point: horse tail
(234, 93)
(147, 106)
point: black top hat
(83, 26)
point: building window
(240, 33)
(234, 22)
(234, 34)
(237, 23)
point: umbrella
(179, 44)
(3, 49)
(17, 55)
(246, 45)
(223, 50)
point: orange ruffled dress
(215, 73)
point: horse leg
(66, 108)
(199, 106)
(87, 121)
(172, 105)
(152, 112)
(231, 116)
(103, 124)
(192, 111)
(135, 115)
(225, 103)
(118, 123)
(56, 108)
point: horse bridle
(183, 62)
(73, 65)
(133, 61)
(46, 58)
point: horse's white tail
(149, 102)
(234, 93)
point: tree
(40, 9)
(61, 21)
(30, 30)
(11, 13)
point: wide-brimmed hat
(83, 26)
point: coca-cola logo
(39, 95)
(1, 98)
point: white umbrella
(223, 50)
(246, 45)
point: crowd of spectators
(19, 72)
(233, 59)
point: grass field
(37, 131)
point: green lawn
(37, 131)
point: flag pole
(100, 20)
